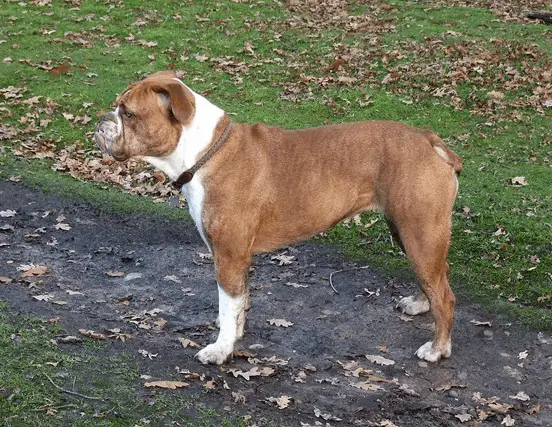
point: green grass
(28, 398)
(198, 36)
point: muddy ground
(497, 375)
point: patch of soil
(496, 373)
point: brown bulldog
(255, 188)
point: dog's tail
(445, 153)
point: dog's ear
(127, 90)
(162, 75)
(177, 97)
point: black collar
(186, 176)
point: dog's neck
(194, 139)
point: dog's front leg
(233, 302)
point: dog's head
(147, 119)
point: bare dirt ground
(499, 373)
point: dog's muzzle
(107, 132)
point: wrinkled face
(148, 118)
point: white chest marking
(195, 138)
(194, 193)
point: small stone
(488, 334)
(453, 394)
(132, 276)
(256, 346)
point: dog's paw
(413, 305)
(432, 354)
(215, 354)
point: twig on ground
(46, 407)
(341, 271)
(545, 17)
(74, 393)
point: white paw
(414, 305)
(215, 354)
(431, 354)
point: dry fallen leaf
(254, 372)
(282, 402)
(296, 285)
(519, 181)
(116, 334)
(448, 386)
(188, 343)
(464, 417)
(283, 259)
(328, 417)
(500, 407)
(62, 226)
(210, 385)
(535, 409)
(207, 256)
(43, 297)
(161, 324)
(243, 353)
(383, 348)
(33, 270)
(167, 384)
(300, 377)
(280, 322)
(496, 95)
(481, 323)
(523, 355)
(7, 213)
(521, 396)
(238, 397)
(5, 280)
(508, 421)
(365, 385)
(147, 354)
(92, 334)
(379, 360)
(115, 273)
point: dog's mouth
(106, 134)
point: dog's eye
(128, 115)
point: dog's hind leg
(427, 247)
(421, 218)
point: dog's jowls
(267, 187)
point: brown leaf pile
(509, 10)
(316, 15)
(133, 176)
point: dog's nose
(106, 131)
